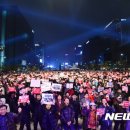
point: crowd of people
(80, 101)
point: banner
(24, 99)
(48, 98)
(69, 85)
(45, 86)
(100, 111)
(35, 83)
(56, 87)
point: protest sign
(108, 91)
(24, 99)
(128, 81)
(100, 89)
(11, 89)
(56, 87)
(109, 84)
(36, 90)
(48, 98)
(23, 91)
(125, 88)
(100, 111)
(45, 86)
(125, 104)
(35, 83)
(69, 85)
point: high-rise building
(16, 37)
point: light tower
(2, 42)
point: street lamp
(122, 54)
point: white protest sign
(56, 87)
(69, 85)
(48, 98)
(110, 84)
(35, 83)
(100, 89)
(45, 86)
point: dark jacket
(106, 123)
(49, 120)
(67, 114)
(37, 113)
(76, 107)
(7, 122)
(25, 114)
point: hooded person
(67, 115)
(49, 118)
(89, 112)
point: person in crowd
(7, 119)
(12, 100)
(90, 114)
(76, 107)
(67, 115)
(37, 111)
(25, 115)
(119, 124)
(59, 105)
(49, 119)
(107, 89)
(105, 124)
(128, 111)
(3, 101)
(85, 100)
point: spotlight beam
(56, 19)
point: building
(16, 37)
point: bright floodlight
(79, 45)
(66, 63)
(87, 42)
(51, 66)
(36, 45)
(81, 52)
(66, 54)
(33, 31)
(40, 60)
(123, 20)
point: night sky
(62, 24)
